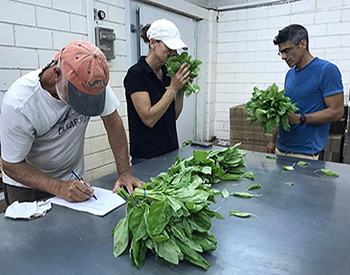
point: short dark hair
(293, 33)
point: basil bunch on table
(170, 216)
(173, 64)
(271, 108)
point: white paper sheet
(106, 202)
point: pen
(79, 179)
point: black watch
(302, 119)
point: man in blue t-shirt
(315, 85)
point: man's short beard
(59, 88)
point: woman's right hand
(180, 78)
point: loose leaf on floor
(241, 214)
(253, 186)
(290, 183)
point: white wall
(32, 31)
(247, 56)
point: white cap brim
(175, 44)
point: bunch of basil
(170, 216)
(173, 64)
(271, 108)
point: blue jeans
(135, 161)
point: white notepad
(106, 202)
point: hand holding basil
(173, 64)
(271, 108)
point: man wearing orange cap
(44, 118)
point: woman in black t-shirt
(152, 107)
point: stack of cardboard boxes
(252, 137)
(333, 149)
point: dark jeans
(135, 161)
(21, 194)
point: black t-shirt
(148, 142)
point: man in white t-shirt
(44, 116)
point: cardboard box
(346, 160)
(330, 156)
(251, 137)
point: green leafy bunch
(270, 107)
(173, 64)
(170, 216)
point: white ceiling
(219, 3)
(215, 4)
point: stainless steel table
(301, 229)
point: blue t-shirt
(308, 88)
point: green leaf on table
(230, 177)
(218, 215)
(186, 142)
(244, 195)
(120, 237)
(241, 214)
(253, 186)
(328, 172)
(303, 163)
(248, 175)
(225, 194)
(271, 157)
(288, 168)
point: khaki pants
(279, 153)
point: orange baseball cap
(86, 69)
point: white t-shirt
(44, 131)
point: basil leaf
(303, 163)
(241, 214)
(254, 186)
(329, 173)
(271, 157)
(230, 177)
(288, 168)
(248, 175)
(225, 194)
(120, 237)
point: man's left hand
(129, 182)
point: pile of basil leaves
(170, 216)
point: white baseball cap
(168, 33)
